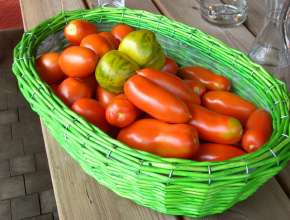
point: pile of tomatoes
(122, 82)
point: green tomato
(158, 61)
(143, 47)
(113, 70)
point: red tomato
(170, 66)
(92, 111)
(70, 90)
(215, 127)
(258, 130)
(121, 112)
(196, 86)
(157, 137)
(76, 30)
(171, 83)
(54, 88)
(91, 82)
(48, 68)
(104, 97)
(156, 101)
(211, 80)
(78, 61)
(229, 104)
(96, 43)
(111, 39)
(217, 152)
(121, 30)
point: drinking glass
(110, 3)
(224, 12)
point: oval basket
(171, 186)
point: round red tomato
(110, 38)
(91, 82)
(70, 90)
(92, 111)
(78, 61)
(48, 68)
(104, 97)
(96, 43)
(121, 112)
(121, 30)
(76, 30)
(170, 66)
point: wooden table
(79, 197)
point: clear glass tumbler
(226, 13)
(110, 3)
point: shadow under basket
(170, 186)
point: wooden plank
(271, 195)
(79, 196)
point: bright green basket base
(171, 186)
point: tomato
(121, 112)
(170, 66)
(54, 88)
(70, 90)
(110, 38)
(76, 30)
(156, 101)
(78, 61)
(217, 152)
(215, 127)
(211, 80)
(48, 68)
(196, 86)
(229, 104)
(92, 111)
(96, 43)
(171, 83)
(121, 30)
(91, 82)
(258, 130)
(157, 137)
(104, 97)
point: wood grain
(78, 196)
(256, 16)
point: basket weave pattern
(171, 186)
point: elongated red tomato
(76, 30)
(91, 82)
(104, 97)
(170, 66)
(196, 86)
(229, 104)
(110, 38)
(96, 43)
(211, 80)
(92, 111)
(258, 130)
(155, 100)
(70, 90)
(215, 127)
(216, 152)
(157, 137)
(171, 83)
(121, 112)
(121, 30)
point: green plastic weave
(171, 186)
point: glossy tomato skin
(229, 104)
(119, 31)
(96, 43)
(196, 86)
(92, 111)
(171, 83)
(91, 82)
(104, 97)
(76, 61)
(157, 137)
(211, 80)
(216, 152)
(110, 38)
(214, 127)
(48, 68)
(70, 90)
(76, 30)
(121, 112)
(156, 101)
(170, 66)
(258, 130)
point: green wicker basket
(171, 186)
